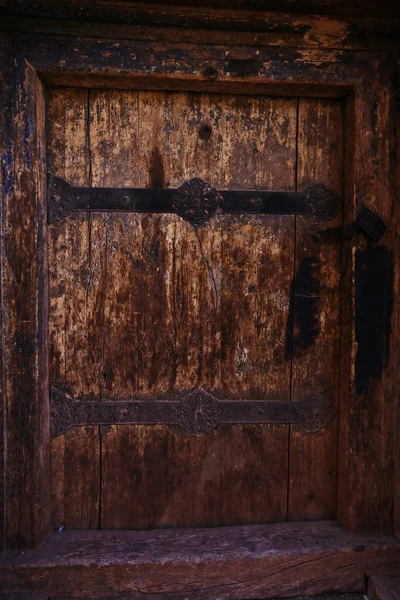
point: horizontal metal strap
(195, 412)
(195, 201)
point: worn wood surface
(235, 562)
(311, 29)
(316, 311)
(90, 62)
(173, 308)
(88, 9)
(25, 596)
(368, 353)
(75, 456)
(396, 348)
(102, 63)
(381, 587)
(24, 453)
(378, 506)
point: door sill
(252, 561)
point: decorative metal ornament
(371, 225)
(196, 412)
(322, 204)
(196, 201)
(315, 412)
(60, 198)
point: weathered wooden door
(145, 306)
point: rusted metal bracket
(195, 201)
(371, 225)
(367, 222)
(196, 412)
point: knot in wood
(205, 131)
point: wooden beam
(216, 27)
(383, 587)
(274, 19)
(25, 498)
(206, 66)
(28, 596)
(256, 561)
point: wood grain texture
(190, 481)
(98, 63)
(26, 596)
(315, 347)
(177, 308)
(25, 490)
(5, 54)
(369, 363)
(207, 24)
(75, 309)
(296, 74)
(396, 344)
(231, 562)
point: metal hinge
(195, 201)
(195, 412)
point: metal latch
(367, 222)
(371, 225)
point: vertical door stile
(258, 257)
(75, 455)
(115, 146)
(316, 312)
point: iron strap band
(195, 201)
(196, 413)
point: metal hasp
(195, 201)
(196, 412)
(371, 225)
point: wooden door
(146, 306)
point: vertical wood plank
(168, 480)
(368, 357)
(74, 313)
(396, 344)
(254, 309)
(5, 56)
(258, 146)
(165, 278)
(316, 313)
(259, 152)
(25, 503)
(160, 301)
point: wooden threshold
(384, 587)
(255, 561)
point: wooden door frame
(368, 496)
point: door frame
(368, 495)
